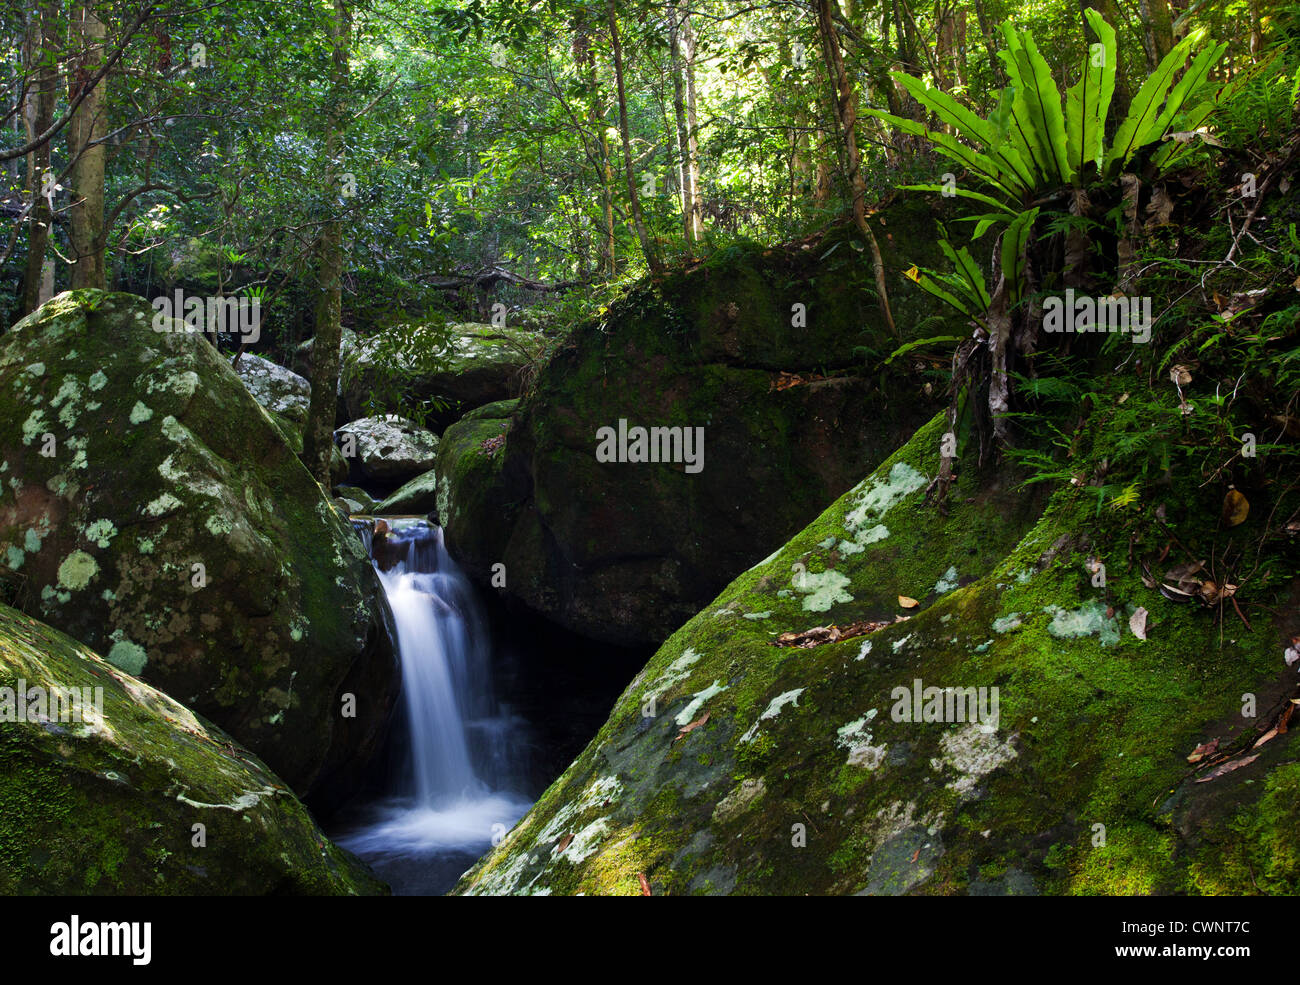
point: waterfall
(459, 788)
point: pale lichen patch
(773, 709)
(687, 714)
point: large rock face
(151, 509)
(105, 798)
(735, 765)
(757, 352)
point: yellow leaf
(907, 603)
(1235, 508)
(913, 275)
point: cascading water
(459, 787)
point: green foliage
(1030, 145)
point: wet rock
(758, 354)
(419, 496)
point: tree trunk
(846, 113)
(625, 130)
(318, 438)
(87, 128)
(986, 32)
(692, 126)
(679, 115)
(38, 115)
(1158, 26)
(586, 63)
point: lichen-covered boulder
(152, 509)
(388, 450)
(419, 496)
(126, 791)
(279, 390)
(957, 708)
(764, 357)
(450, 371)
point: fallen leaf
(1235, 508)
(1181, 573)
(693, 726)
(1272, 733)
(907, 603)
(1228, 767)
(1138, 623)
(645, 884)
(1203, 750)
(819, 635)
(564, 842)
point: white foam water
(458, 795)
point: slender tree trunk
(625, 130)
(679, 115)
(586, 62)
(986, 32)
(85, 132)
(846, 113)
(318, 439)
(1256, 28)
(38, 115)
(692, 126)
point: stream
(495, 705)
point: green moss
(107, 804)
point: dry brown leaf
(1228, 767)
(645, 884)
(907, 603)
(1203, 750)
(693, 726)
(1268, 736)
(819, 635)
(564, 842)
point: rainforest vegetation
(694, 374)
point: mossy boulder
(279, 390)
(359, 496)
(759, 350)
(445, 371)
(474, 496)
(734, 765)
(154, 511)
(419, 496)
(194, 266)
(129, 792)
